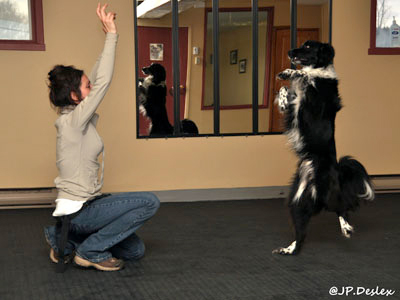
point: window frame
(37, 41)
(373, 50)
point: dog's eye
(307, 47)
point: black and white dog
(310, 106)
(152, 103)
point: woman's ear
(75, 98)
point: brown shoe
(54, 257)
(111, 264)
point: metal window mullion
(255, 65)
(293, 26)
(175, 62)
(216, 92)
(135, 28)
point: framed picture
(233, 57)
(157, 52)
(242, 65)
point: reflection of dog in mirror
(310, 106)
(152, 103)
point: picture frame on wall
(157, 52)
(233, 57)
(242, 65)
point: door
(282, 62)
(163, 36)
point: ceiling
(155, 9)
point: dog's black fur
(310, 106)
(152, 100)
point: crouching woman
(98, 229)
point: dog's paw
(282, 98)
(347, 229)
(290, 250)
(286, 74)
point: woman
(102, 227)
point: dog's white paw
(290, 250)
(282, 98)
(347, 229)
(286, 74)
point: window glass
(15, 20)
(387, 24)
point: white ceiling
(154, 9)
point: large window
(21, 25)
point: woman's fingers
(106, 18)
(98, 10)
(103, 11)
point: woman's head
(68, 86)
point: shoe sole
(87, 264)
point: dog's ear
(326, 55)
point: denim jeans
(106, 227)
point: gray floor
(215, 250)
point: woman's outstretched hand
(106, 18)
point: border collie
(152, 100)
(321, 182)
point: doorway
(155, 46)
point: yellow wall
(367, 127)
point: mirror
(385, 28)
(196, 58)
(235, 45)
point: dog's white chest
(293, 134)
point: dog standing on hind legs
(152, 103)
(321, 182)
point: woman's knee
(154, 201)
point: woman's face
(85, 88)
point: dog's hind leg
(347, 229)
(301, 211)
(301, 219)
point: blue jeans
(106, 227)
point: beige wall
(367, 127)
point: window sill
(22, 45)
(384, 51)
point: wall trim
(44, 197)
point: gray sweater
(78, 143)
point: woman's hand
(107, 19)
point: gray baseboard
(44, 197)
(270, 192)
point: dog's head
(313, 53)
(157, 72)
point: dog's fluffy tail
(355, 182)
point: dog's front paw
(282, 98)
(286, 74)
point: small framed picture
(233, 57)
(157, 52)
(242, 65)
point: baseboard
(270, 192)
(44, 197)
